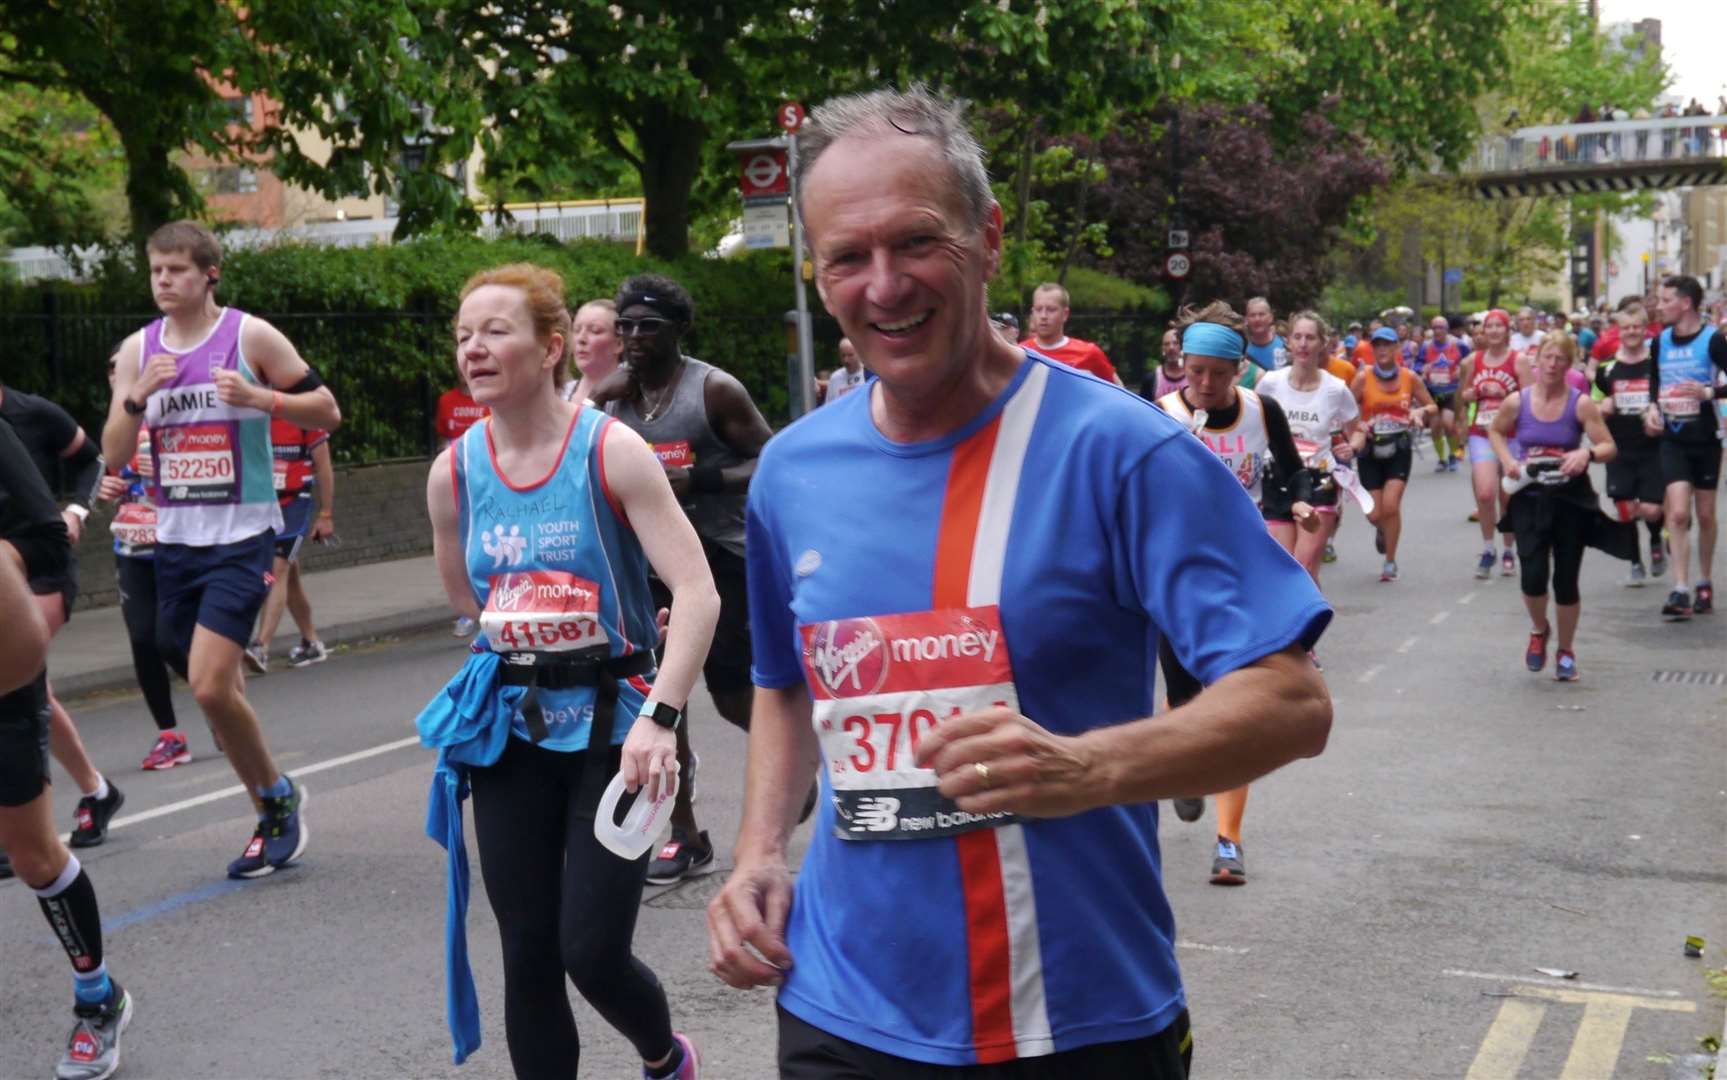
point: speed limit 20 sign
(1177, 265)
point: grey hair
(916, 111)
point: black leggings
(1561, 544)
(549, 880)
(138, 608)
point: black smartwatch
(132, 407)
(664, 715)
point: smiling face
(898, 262)
(594, 341)
(1495, 333)
(500, 358)
(1633, 331)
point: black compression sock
(69, 904)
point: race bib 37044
(879, 684)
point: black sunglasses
(650, 326)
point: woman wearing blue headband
(1251, 436)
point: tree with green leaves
(155, 73)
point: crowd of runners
(930, 667)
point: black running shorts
(808, 1053)
(1375, 472)
(24, 743)
(1695, 463)
(1637, 475)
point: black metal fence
(388, 368)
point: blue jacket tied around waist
(468, 723)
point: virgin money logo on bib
(849, 658)
(543, 592)
(846, 657)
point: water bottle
(640, 826)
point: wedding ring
(982, 771)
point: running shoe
(93, 1048)
(6, 871)
(1441, 466)
(279, 839)
(1388, 572)
(464, 626)
(257, 659)
(307, 653)
(1484, 567)
(1454, 464)
(689, 1067)
(1658, 561)
(170, 750)
(1705, 602)
(1535, 656)
(1227, 868)
(1507, 564)
(1474, 516)
(1330, 555)
(1637, 576)
(1189, 809)
(680, 858)
(1379, 540)
(93, 816)
(1678, 605)
(1565, 666)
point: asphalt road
(1468, 824)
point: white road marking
(1407, 645)
(1211, 948)
(1561, 983)
(240, 789)
(1465, 598)
(1367, 676)
(1439, 618)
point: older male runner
(969, 658)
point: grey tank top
(681, 435)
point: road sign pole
(803, 398)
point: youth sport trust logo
(505, 549)
(849, 657)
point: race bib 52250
(195, 463)
(542, 611)
(879, 684)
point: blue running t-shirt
(1032, 557)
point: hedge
(375, 321)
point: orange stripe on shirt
(987, 946)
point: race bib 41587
(542, 611)
(879, 684)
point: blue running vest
(555, 570)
